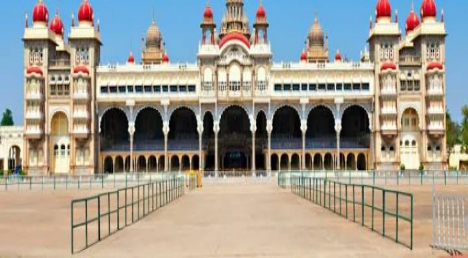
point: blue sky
(124, 23)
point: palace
(235, 108)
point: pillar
(166, 135)
(216, 132)
(338, 132)
(131, 131)
(269, 129)
(200, 146)
(253, 129)
(304, 131)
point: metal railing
(386, 178)
(102, 215)
(85, 182)
(381, 210)
(450, 222)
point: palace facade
(235, 109)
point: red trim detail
(165, 58)
(131, 58)
(338, 55)
(234, 36)
(34, 69)
(387, 66)
(81, 69)
(303, 56)
(435, 65)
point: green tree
(7, 119)
(453, 133)
(464, 127)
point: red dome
(383, 9)
(303, 56)
(412, 22)
(86, 13)
(388, 66)
(234, 36)
(435, 65)
(165, 58)
(261, 12)
(40, 12)
(56, 25)
(428, 9)
(338, 55)
(34, 69)
(81, 69)
(208, 12)
(131, 58)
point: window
(173, 88)
(138, 89)
(191, 88)
(347, 86)
(339, 86)
(104, 90)
(182, 88)
(365, 86)
(165, 88)
(392, 148)
(287, 87)
(312, 87)
(383, 149)
(321, 87)
(296, 87)
(113, 89)
(56, 151)
(130, 89)
(121, 89)
(157, 89)
(406, 143)
(331, 87)
(356, 86)
(147, 88)
(304, 87)
(62, 150)
(278, 87)
(82, 56)
(413, 143)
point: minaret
(153, 52)
(316, 49)
(261, 26)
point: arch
(59, 124)
(351, 162)
(409, 106)
(174, 109)
(284, 163)
(152, 164)
(319, 106)
(185, 163)
(137, 111)
(175, 164)
(149, 134)
(276, 109)
(108, 165)
(141, 164)
(224, 109)
(355, 133)
(286, 132)
(104, 111)
(208, 74)
(14, 158)
(261, 74)
(208, 141)
(342, 161)
(366, 108)
(328, 161)
(318, 162)
(410, 120)
(321, 132)
(59, 112)
(295, 162)
(361, 162)
(119, 164)
(114, 130)
(274, 162)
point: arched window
(413, 143)
(383, 148)
(62, 150)
(56, 149)
(406, 143)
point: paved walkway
(246, 221)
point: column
(216, 132)
(131, 131)
(200, 146)
(166, 135)
(269, 131)
(253, 129)
(338, 132)
(304, 131)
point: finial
(26, 23)
(73, 20)
(396, 15)
(370, 22)
(442, 18)
(315, 17)
(98, 25)
(153, 21)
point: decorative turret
(56, 25)
(85, 14)
(261, 25)
(317, 47)
(40, 15)
(153, 51)
(235, 20)
(412, 22)
(428, 11)
(208, 26)
(383, 11)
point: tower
(153, 52)
(317, 47)
(234, 20)
(208, 26)
(261, 26)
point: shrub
(402, 167)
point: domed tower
(208, 26)
(317, 46)
(153, 51)
(235, 20)
(261, 25)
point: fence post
(421, 175)
(99, 217)
(445, 177)
(397, 217)
(30, 183)
(373, 177)
(383, 212)
(363, 203)
(72, 227)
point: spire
(26, 23)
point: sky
(124, 23)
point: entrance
(235, 160)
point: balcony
(81, 132)
(436, 128)
(38, 96)
(435, 91)
(60, 63)
(80, 95)
(33, 132)
(81, 114)
(34, 115)
(388, 111)
(389, 129)
(435, 111)
(410, 60)
(389, 91)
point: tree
(464, 127)
(7, 119)
(453, 133)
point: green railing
(85, 182)
(102, 215)
(388, 212)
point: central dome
(153, 36)
(316, 37)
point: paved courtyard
(257, 220)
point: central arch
(320, 129)
(286, 133)
(148, 131)
(235, 139)
(355, 133)
(114, 131)
(60, 144)
(183, 134)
